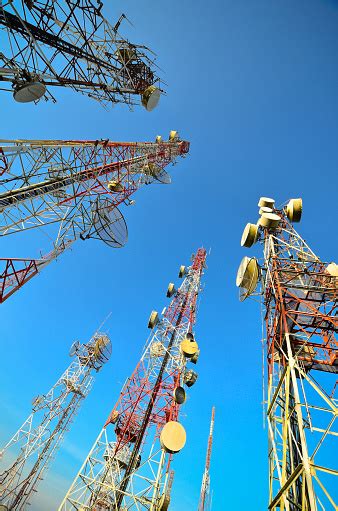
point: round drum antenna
(150, 97)
(247, 277)
(29, 91)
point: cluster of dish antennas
(33, 91)
(249, 272)
(155, 173)
(188, 347)
(270, 218)
(93, 354)
(173, 436)
(109, 224)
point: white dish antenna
(151, 97)
(28, 92)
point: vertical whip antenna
(205, 497)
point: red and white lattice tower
(204, 502)
(76, 188)
(37, 440)
(299, 298)
(128, 466)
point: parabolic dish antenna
(28, 92)
(162, 176)
(247, 277)
(74, 348)
(102, 349)
(155, 172)
(109, 224)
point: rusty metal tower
(128, 466)
(68, 43)
(75, 189)
(299, 299)
(204, 503)
(39, 437)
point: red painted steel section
(114, 156)
(129, 411)
(15, 273)
(311, 315)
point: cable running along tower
(204, 503)
(299, 298)
(66, 43)
(128, 466)
(74, 189)
(39, 437)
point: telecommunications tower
(204, 503)
(299, 297)
(39, 437)
(128, 466)
(68, 43)
(76, 188)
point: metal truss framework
(205, 498)
(127, 468)
(76, 186)
(39, 437)
(300, 301)
(69, 43)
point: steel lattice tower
(39, 437)
(299, 297)
(128, 466)
(204, 502)
(75, 187)
(66, 43)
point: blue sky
(253, 86)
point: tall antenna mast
(205, 488)
(128, 466)
(61, 43)
(170, 483)
(299, 294)
(73, 190)
(39, 437)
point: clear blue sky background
(254, 86)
